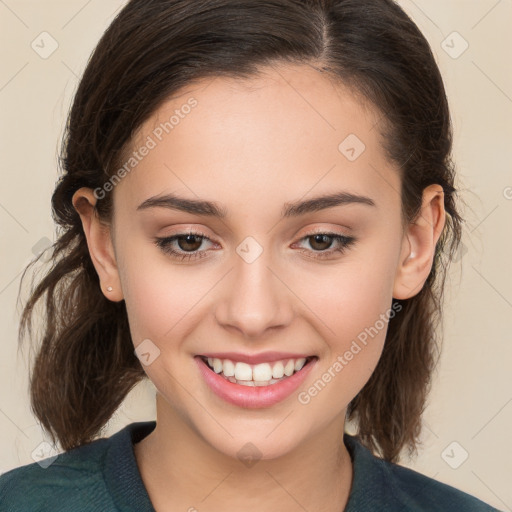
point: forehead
(291, 129)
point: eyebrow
(290, 209)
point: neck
(179, 467)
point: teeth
(289, 368)
(249, 383)
(228, 368)
(262, 372)
(242, 371)
(256, 383)
(217, 365)
(278, 370)
(256, 375)
(300, 363)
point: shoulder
(66, 482)
(420, 492)
(391, 487)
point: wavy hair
(85, 363)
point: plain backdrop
(467, 424)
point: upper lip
(263, 357)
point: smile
(254, 386)
(263, 374)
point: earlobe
(99, 243)
(419, 244)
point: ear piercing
(109, 288)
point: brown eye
(183, 245)
(321, 242)
(189, 242)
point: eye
(188, 243)
(185, 246)
(322, 243)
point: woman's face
(260, 281)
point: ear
(419, 244)
(99, 242)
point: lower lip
(253, 397)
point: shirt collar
(370, 485)
(121, 472)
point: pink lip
(264, 357)
(253, 397)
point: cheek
(158, 295)
(351, 307)
(348, 297)
(164, 306)
(161, 307)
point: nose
(254, 297)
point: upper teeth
(257, 372)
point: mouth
(257, 375)
(254, 386)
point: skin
(252, 146)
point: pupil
(187, 241)
(322, 239)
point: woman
(258, 210)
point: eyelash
(164, 243)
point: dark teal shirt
(103, 476)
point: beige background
(471, 401)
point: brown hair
(86, 364)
